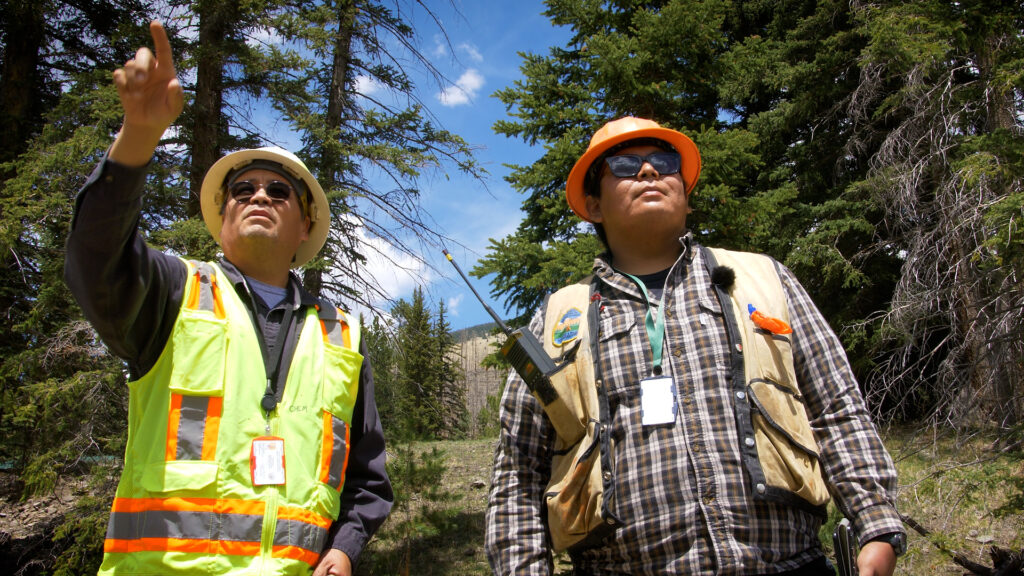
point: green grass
(955, 488)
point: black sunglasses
(629, 165)
(243, 191)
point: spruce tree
(451, 380)
(940, 92)
(421, 411)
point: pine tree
(452, 382)
(333, 55)
(382, 352)
(421, 412)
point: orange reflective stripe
(173, 419)
(221, 506)
(214, 409)
(326, 447)
(194, 300)
(296, 553)
(193, 295)
(346, 338)
(344, 464)
(303, 515)
(337, 333)
(323, 325)
(182, 545)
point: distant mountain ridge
(478, 331)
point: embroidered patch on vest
(567, 328)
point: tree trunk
(24, 30)
(1003, 379)
(338, 103)
(216, 19)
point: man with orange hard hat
(712, 412)
(254, 443)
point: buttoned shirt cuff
(351, 541)
(876, 521)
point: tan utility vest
(779, 451)
(186, 502)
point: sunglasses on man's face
(243, 191)
(629, 165)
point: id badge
(658, 401)
(266, 461)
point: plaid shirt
(681, 491)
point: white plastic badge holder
(266, 461)
(658, 401)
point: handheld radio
(524, 352)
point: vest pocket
(340, 388)
(326, 501)
(200, 372)
(567, 412)
(786, 448)
(574, 499)
(341, 380)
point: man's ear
(593, 204)
(308, 226)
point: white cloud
(464, 90)
(396, 274)
(440, 47)
(452, 304)
(471, 51)
(366, 85)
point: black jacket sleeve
(128, 291)
(367, 496)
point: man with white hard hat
(254, 443)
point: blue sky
(479, 58)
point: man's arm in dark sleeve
(366, 498)
(129, 292)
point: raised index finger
(164, 58)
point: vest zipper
(272, 495)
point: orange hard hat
(617, 132)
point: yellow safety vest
(186, 502)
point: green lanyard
(655, 324)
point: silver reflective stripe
(192, 426)
(332, 321)
(301, 534)
(338, 451)
(185, 525)
(205, 286)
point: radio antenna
(502, 325)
